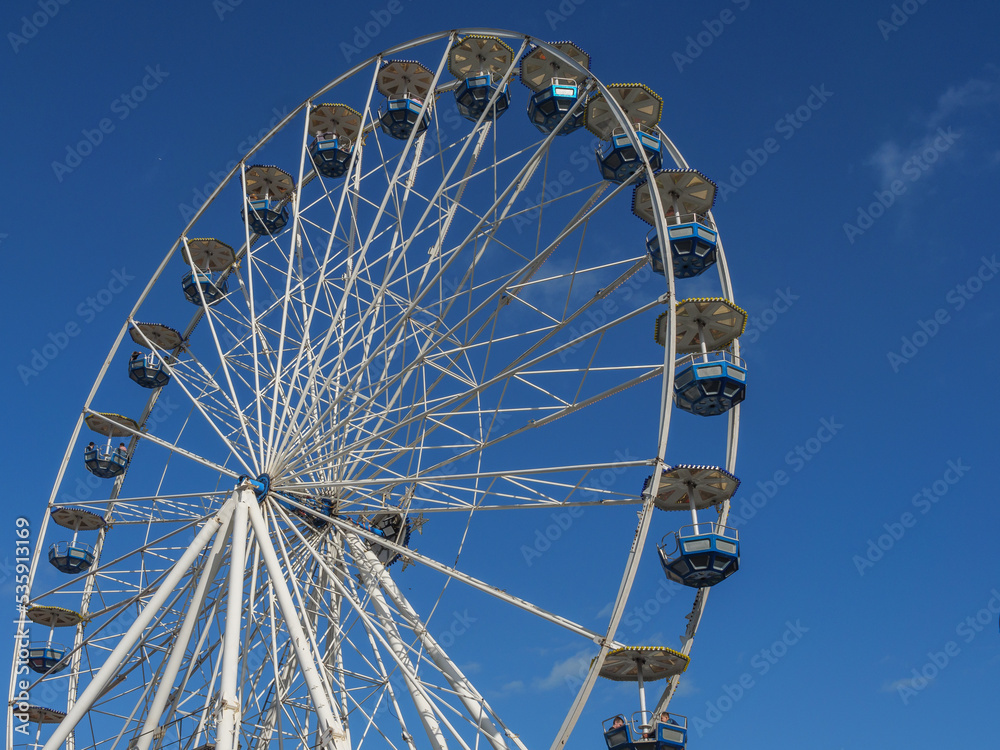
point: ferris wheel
(409, 325)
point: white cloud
(976, 92)
(895, 159)
(887, 160)
(574, 667)
(512, 687)
(685, 687)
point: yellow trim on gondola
(459, 71)
(155, 333)
(642, 86)
(350, 109)
(729, 302)
(43, 715)
(209, 239)
(256, 172)
(486, 37)
(623, 649)
(74, 618)
(539, 52)
(660, 336)
(103, 418)
(674, 656)
(611, 87)
(62, 513)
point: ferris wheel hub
(260, 486)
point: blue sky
(854, 146)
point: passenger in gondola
(618, 723)
(135, 356)
(122, 450)
(665, 719)
(91, 448)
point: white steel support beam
(180, 644)
(407, 737)
(369, 568)
(283, 676)
(473, 701)
(331, 732)
(229, 695)
(114, 661)
(666, 408)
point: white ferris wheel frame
(240, 511)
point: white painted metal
(331, 730)
(114, 660)
(473, 701)
(229, 692)
(417, 694)
(382, 673)
(179, 646)
(292, 400)
(732, 443)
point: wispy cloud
(512, 687)
(976, 92)
(686, 687)
(574, 667)
(473, 667)
(895, 157)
